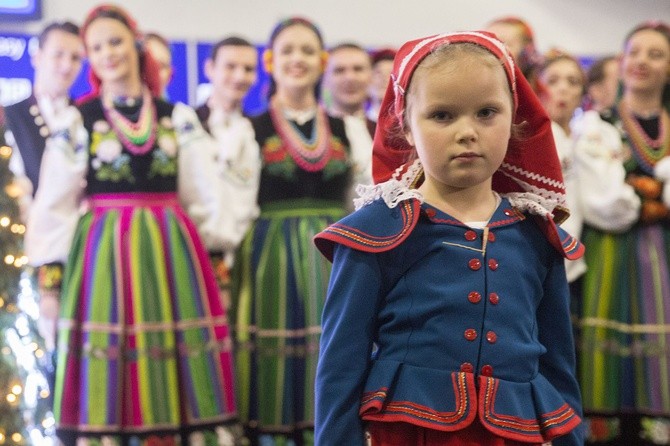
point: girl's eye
(551, 81)
(115, 41)
(574, 82)
(487, 113)
(654, 54)
(440, 116)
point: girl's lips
(467, 155)
(639, 74)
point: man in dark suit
(57, 62)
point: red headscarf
(530, 174)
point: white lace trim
(396, 190)
(533, 203)
(392, 191)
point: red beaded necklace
(646, 151)
(311, 155)
(138, 137)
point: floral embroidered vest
(113, 168)
(283, 179)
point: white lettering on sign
(33, 45)
(12, 47)
(13, 90)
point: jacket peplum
(434, 323)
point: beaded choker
(138, 137)
(647, 151)
(311, 155)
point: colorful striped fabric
(143, 337)
(281, 282)
(625, 321)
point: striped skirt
(143, 341)
(624, 349)
(280, 282)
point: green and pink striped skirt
(143, 341)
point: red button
(494, 298)
(475, 264)
(474, 297)
(508, 212)
(492, 237)
(491, 336)
(487, 370)
(470, 235)
(470, 334)
(467, 367)
(493, 264)
(430, 213)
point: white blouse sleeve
(196, 175)
(54, 213)
(360, 144)
(238, 165)
(608, 202)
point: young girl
(143, 347)
(563, 78)
(459, 283)
(625, 342)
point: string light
(17, 228)
(25, 390)
(13, 190)
(5, 151)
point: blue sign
(14, 10)
(16, 74)
(16, 71)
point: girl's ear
(209, 68)
(324, 61)
(409, 137)
(267, 61)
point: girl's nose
(466, 133)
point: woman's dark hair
(596, 72)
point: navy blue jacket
(464, 322)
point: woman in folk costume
(519, 37)
(625, 340)
(280, 278)
(447, 320)
(144, 353)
